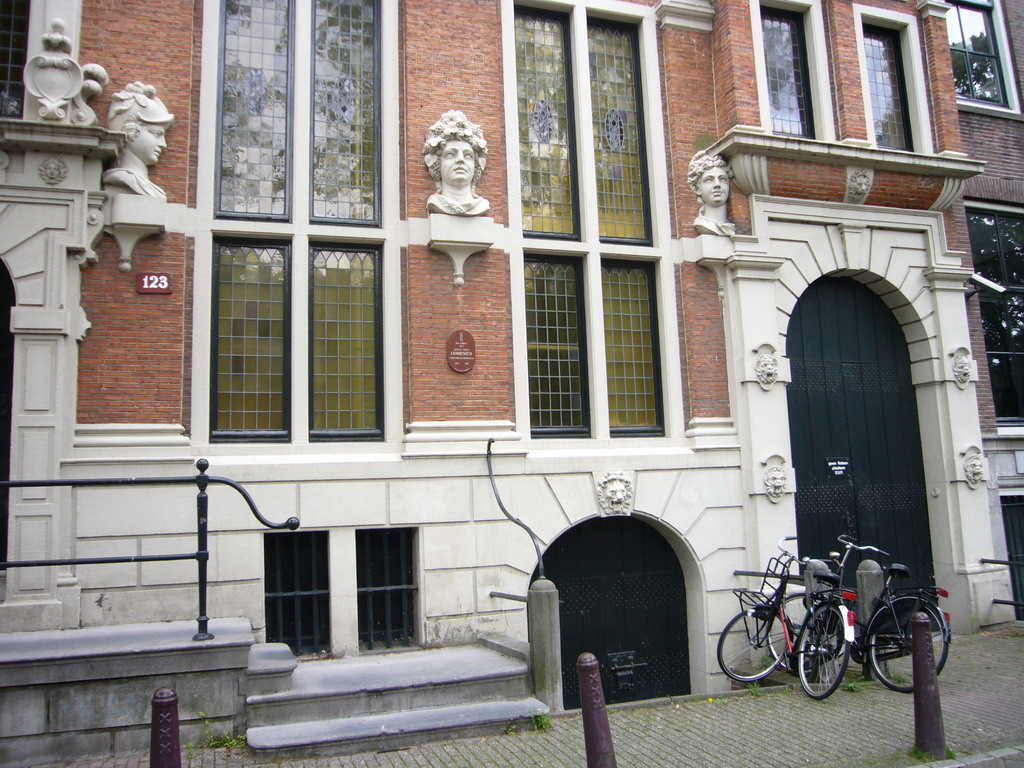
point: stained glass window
(255, 107)
(630, 331)
(344, 343)
(13, 45)
(888, 91)
(546, 148)
(785, 58)
(618, 133)
(556, 350)
(976, 68)
(250, 342)
(345, 158)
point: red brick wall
(705, 378)
(841, 31)
(735, 79)
(811, 181)
(135, 361)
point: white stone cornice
(933, 9)
(690, 14)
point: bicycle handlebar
(851, 543)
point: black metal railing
(1017, 580)
(202, 553)
(517, 521)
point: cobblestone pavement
(860, 726)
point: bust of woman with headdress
(143, 117)
(709, 177)
(455, 154)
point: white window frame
(300, 233)
(914, 73)
(589, 249)
(1005, 65)
(817, 63)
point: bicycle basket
(774, 576)
(754, 603)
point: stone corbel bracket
(130, 218)
(459, 237)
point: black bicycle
(887, 637)
(765, 635)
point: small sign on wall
(839, 467)
(461, 351)
(153, 282)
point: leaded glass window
(255, 109)
(631, 348)
(618, 133)
(977, 73)
(13, 45)
(345, 158)
(546, 147)
(997, 245)
(250, 342)
(887, 88)
(258, 94)
(785, 55)
(345, 343)
(556, 348)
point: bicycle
(887, 638)
(763, 637)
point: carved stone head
(709, 178)
(143, 117)
(455, 154)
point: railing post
(597, 734)
(929, 735)
(202, 547)
(545, 643)
(164, 734)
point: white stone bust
(709, 177)
(139, 113)
(456, 154)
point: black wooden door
(854, 428)
(621, 597)
(1013, 525)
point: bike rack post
(597, 734)
(929, 735)
(870, 583)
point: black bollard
(929, 735)
(164, 736)
(596, 734)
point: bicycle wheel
(750, 648)
(889, 638)
(823, 653)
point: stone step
(394, 730)
(393, 682)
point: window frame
(1005, 424)
(250, 435)
(345, 435)
(906, 26)
(877, 32)
(16, 58)
(987, 9)
(818, 71)
(584, 430)
(1003, 57)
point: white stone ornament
(766, 367)
(614, 493)
(974, 467)
(775, 483)
(962, 367)
(709, 177)
(60, 84)
(143, 117)
(455, 153)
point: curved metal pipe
(517, 521)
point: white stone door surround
(902, 256)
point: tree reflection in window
(997, 245)
(972, 46)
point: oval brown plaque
(461, 351)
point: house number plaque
(153, 282)
(461, 351)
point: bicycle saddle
(899, 570)
(828, 577)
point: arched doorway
(622, 598)
(854, 427)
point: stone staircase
(384, 701)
